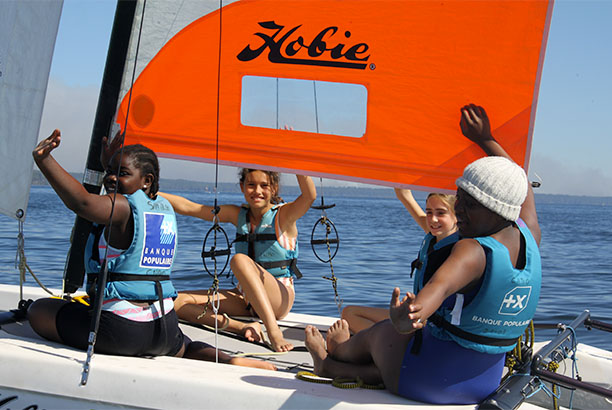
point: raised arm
(296, 209)
(406, 198)
(183, 206)
(476, 127)
(93, 207)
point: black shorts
(117, 335)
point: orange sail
(376, 86)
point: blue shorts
(445, 373)
(118, 335)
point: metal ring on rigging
(329, 227)
(213, 252)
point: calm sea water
(378, 240)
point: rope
(260, 354)
(324, 220)
(514, 358)
(339, 382)
(216, 299)
(543, 387)
(332, 278)
(329, 226)
(313, 378)
(22, 264)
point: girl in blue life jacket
(138, 316)
(495, 267)
(440, 225)
(264, 263)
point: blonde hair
(448, 199)
(273, 177)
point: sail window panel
(320, 107)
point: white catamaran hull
(40, 374)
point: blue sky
(572, 141)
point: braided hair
(146, 161)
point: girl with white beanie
(473, 308)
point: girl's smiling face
(128, 179)
(257, 189)
(441, 220)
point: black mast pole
(74, 270)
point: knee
(180, 301)
(240, 263)
(348, 312)
(42, 316)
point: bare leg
(362, 317)
(191, 305)
(379, 345)
(338, 333)
(42, 314)
(325, 366)
(270, 299)
(203, 351)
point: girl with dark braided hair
(136, 226)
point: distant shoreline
(178, 185)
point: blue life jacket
(262, 245)
(141, 272)
(431, 256)
(504, 304)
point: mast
(74, 270)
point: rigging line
(99, 297)
(324, 220)
(216, 300)
(218, 98)
(316, 106)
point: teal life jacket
(431, 256)
(262, 245)
(492, 319)
(141, 272)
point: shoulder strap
(96, 231)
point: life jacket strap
(254, 237)
(128, 277)
(417, 342)
(290, 263)
(483, 340)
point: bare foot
(279, 344)
(316, 347)
(246, 362)
(252, 332)
(337, 333)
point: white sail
(28, 30)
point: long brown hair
(273, 177)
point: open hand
(475, 123)
(44, 147)
(405, 315)
(108, 150)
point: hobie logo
(515, 301)
(291, 48)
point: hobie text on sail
(292, 48)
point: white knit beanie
(497, 183)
